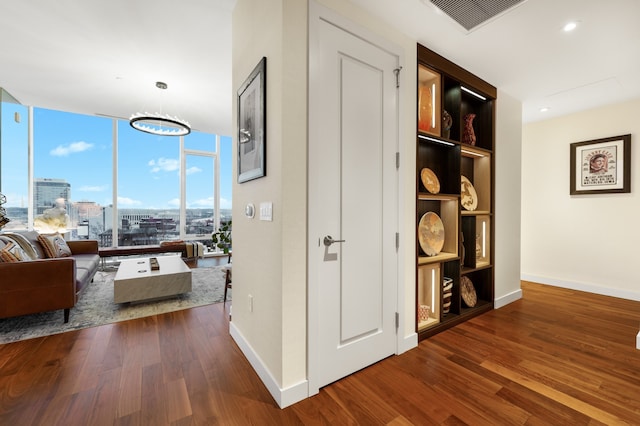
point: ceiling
(104, 57)
(525, 53)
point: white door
(352, 197)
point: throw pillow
(14, 248)
(54, 245)
(6, 255)
(24, 243)
(4, 241)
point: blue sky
(78, 149)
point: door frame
(318, 13)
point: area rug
(96, 306)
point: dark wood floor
(555, 357)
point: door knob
(328, 240)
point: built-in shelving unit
(455, 274)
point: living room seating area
(43, 272)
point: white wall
(269, 258)
(507, 203)
(584, 242)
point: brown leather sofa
(40, 283)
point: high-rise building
(47, 191)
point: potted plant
(222, 237)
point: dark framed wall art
(252, 121)
(601, 166)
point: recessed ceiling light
(544, 109)
(570, 26)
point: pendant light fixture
(159, 123)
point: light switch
(266, 211)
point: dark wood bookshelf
(469, 234)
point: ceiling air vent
(471, 13)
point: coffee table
(135, 281)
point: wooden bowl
(468, 292)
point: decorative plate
(430, 180)
(468, 196)
(431, 233)
(468, 292)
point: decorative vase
(447, 286)
(469, 136)
(423, 313)
(447, 122)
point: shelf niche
(483, 121)
(447, 210)
(442, 159)
(476, 165)
(429, 101)
(476, 231)
(429, 279)
(482, 280)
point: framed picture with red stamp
(601, 166)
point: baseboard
(589, 288)
(283, 397)
(407, 343)
(507, 298)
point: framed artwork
(601, 166)
(252, 120)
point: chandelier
(159, 123)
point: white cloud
(88, 188)
(124, 201)
(202, 203)
(164, 165)
(224, 203)
(72, 148)
(192, 170)
(174, 202)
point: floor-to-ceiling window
(201, 184)
(14, 160)
(104, 180)
(200, 192)
(148, 187)
(207, 183)
(72, 172)
(226, 176)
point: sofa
(43, 272)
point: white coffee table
(135, 281)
